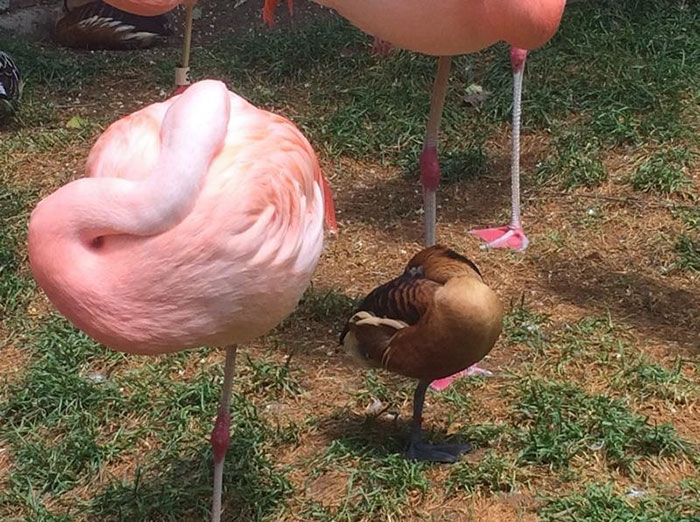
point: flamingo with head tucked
(446, 28)
(200, 223)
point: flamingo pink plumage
(446, 28)
(200, 222)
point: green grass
(378, 485)
(600, 502)
(523, 326)
(664, 172)
(94, 435)
(493, 473)
(649, 379)
(687, 251)
(557, 421)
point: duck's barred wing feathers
(404, 299)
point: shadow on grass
(376, 438)
(661, 310)
(181, 488)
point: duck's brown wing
(404, 299)
(440, 264)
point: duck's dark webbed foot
(447, 453)
(420, 450)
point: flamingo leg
(182, 73)
(512, 235)
(428, 163)
(221, 435)
(419, 450)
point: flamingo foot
(509, 236)
(381, 47)
(441, 384)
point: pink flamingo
(446, 28)
(200, 222)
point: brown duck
(436, 319)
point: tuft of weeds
(576, 162)
(689, 216)
(648, 379)
(494, 472)
(270, 376)
(375, 387)
(558, 421)
(688, 253)
(378, 486)
(592, 338)
(600, 502)
(523, 326)
(664, 172)
(485, 435)
(328, 306)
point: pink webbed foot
(508, 236)
(381, 47)
(442, 384)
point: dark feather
(405, 298)
(10, 79)
(97, 25)
(440, 264)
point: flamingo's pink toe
(503, 237)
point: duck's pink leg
(512, 235)
(221, 434)
(428, 162)
(182, 73)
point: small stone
(97, 377)
(375, 408)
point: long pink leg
(428, 162)
(430, 166)
(512, 235)
(221, 434)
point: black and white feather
(98, 25)
(10, 83)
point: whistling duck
(10, 84)
(434, 320)
(95, 24)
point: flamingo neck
(74, 221)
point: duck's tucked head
(440, 264)
(368, 338)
